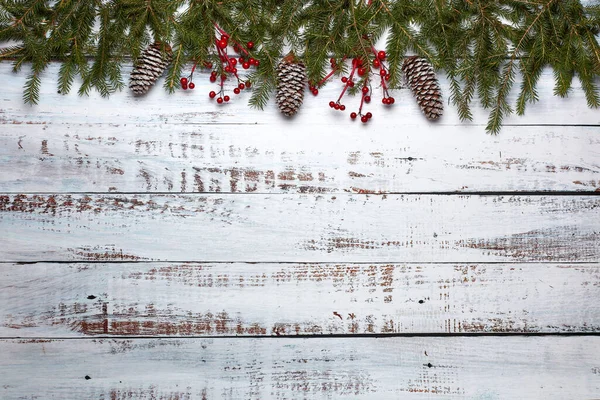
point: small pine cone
(148, 68)
(291, 80)
(424, 85)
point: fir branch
(481, 44)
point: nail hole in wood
(91, 297)
(87, 378)
(429, 365)
(421, 301)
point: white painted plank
(194, 107)
(166, 299)
(218, 158)
(354, 368)
(301, 228)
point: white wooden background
(168, 248)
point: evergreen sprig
(484, 46)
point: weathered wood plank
(300, 228)
(188, 299)
(354, 368)
(185, 107)
(179, 158)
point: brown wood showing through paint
(165, 248)
(284, 368)
(396, 228)
(191, 299)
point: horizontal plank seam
(345, 262)
(466, 124)
(579, 193)
(332, 336)
(142, 124)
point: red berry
(369, 115)
(226, 98)
(382, 72)
(222, 44)
(225, 37)
(208, 65)
(250, 45)
(236, 90)
(344, 79)
(192, 85)
(336, 106)
(361, 71)
(241, 86)
(252, 61)
(315, 91)
(387, 77)
(353, 115)
(183, 81)
(213, 73)
(236, 48)
(384, 100)
(256, 63)
(213, 78)
(332, 60)
(184, 87)
(234, 70)
(365, 90)
(342, 107)
(241, 60)
(391, 100)
(364, 119)
(332, 104)
(212, 94)
(233, 61)
(351, 83)
(376, 63)
(367, 99)
(220, 100)
(246, 65)
(228, 69)
(223, 77)
(381, 55)
(248, 84)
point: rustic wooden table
(168, 248)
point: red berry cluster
(227, 67)
(384, 74)
(360, 73)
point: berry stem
(354, 67)
(329, 75)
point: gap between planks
(220, 194)
(300, 337)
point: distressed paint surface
(190, 299)
(300, 228)
(126, 157)
(346, 368)
(310, 241)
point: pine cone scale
(423, 82)
(291, 81)
(148, 68)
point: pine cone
(148, 68)
(424, 85)
(291, 80)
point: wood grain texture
(306, 228)
(66, 157)
(353, 368)
(170, 299)
(194, 107)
